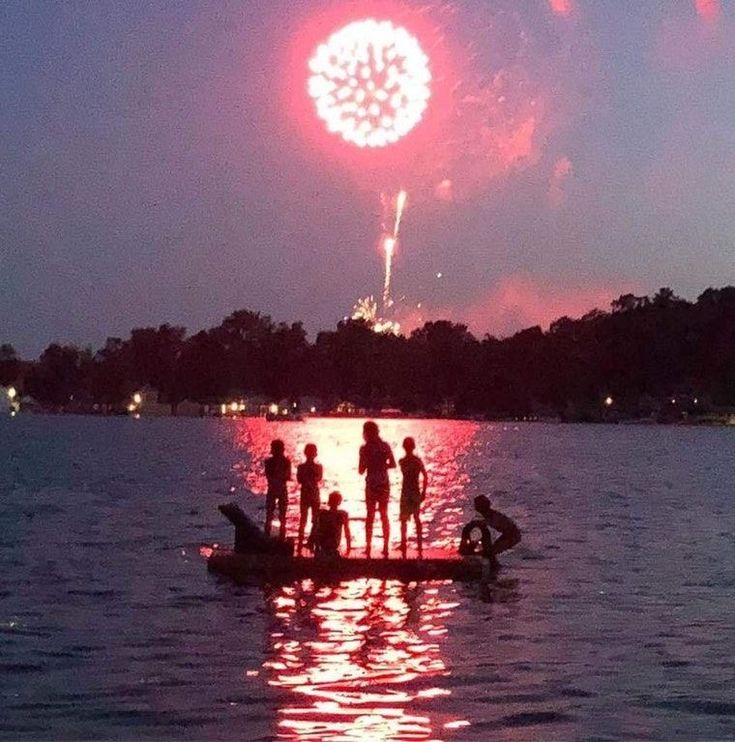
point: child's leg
(419, 534)
(270, 506)
(314, 523)
(302, 526)
(404, 525)
(282, 507)
(383, 507)
(370, 503)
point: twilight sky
(152, 170)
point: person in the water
(278, 474)
(376, 457)
(510, 534)
(309, 475)
(331, 525)
(412, 494)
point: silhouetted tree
(199, 370)
(10, 365)
(154, 354)
(111, 381)
(62, 372)
(445, 358)
(643, 353)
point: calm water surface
(613, 619)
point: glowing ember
(370, 82)
(366, 309)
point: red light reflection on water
(361, 660)
(441, 444)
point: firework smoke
(401, 199)
(708, 10)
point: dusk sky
(152, 171)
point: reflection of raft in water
(248, 568)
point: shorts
(276, 498)
(410, 505)
(376, 496)
(310, 501)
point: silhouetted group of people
(329, 526)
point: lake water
(613, 619)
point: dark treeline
(643, 353)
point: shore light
(273, 409)
(608, 401)
(137, 398)
(12, 393)
(234, 406)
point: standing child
(376, 458)
(278, 473)
(411, 495)
(309, 475)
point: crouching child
(331, 525)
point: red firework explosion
(370, 82)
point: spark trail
(389, 242)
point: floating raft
(249, 568)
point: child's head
(370, 431)
(310, 451)
(277, 447)
(335, 499)
(482, 504)
(409, 445)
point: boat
(289, 418)
(248, 568)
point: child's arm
(362, 468)
(348, 536)
(425, 478)
(288, 470)
(391, 459)
(510, 534)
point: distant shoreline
(724, 420)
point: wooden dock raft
(249, 568)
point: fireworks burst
(417, 103)
(366, 310)
(370, 82)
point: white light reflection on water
(359, 660)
